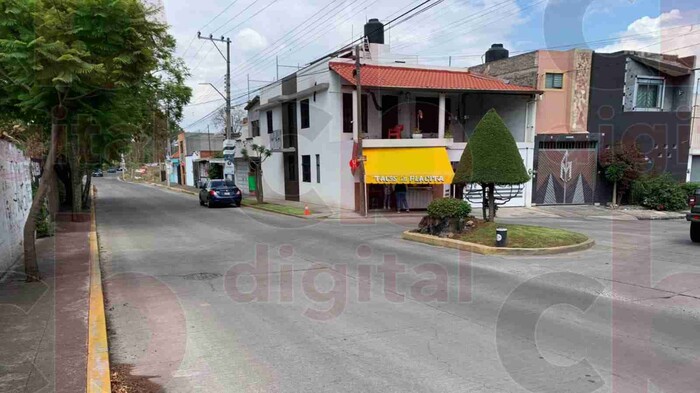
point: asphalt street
(240, 300)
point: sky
(299, 31)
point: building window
(318, 168)
(648, 93)
(255, 128)
(553, 80)
(269, 122)
(347, 112)
(304, 107)
(306, 169)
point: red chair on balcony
(395, 132)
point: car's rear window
(222, 183)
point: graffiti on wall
(16, 199)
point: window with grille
(648, 94)
(553, 80)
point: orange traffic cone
(307, 212)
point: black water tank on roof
(496, 52)
(374, 31)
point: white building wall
(324, 137)
(16, 197)
(189, 172)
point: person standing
(387, 196)
(401, 202)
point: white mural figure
(565, 172)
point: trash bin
(501, 237)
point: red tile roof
(423, 78)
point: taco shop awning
(413, 165)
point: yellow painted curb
(98, 374)
(487, 250)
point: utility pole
(168, 160)
(227, 58)
(209, 137)
(358, 87)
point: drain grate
(201, 276)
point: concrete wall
(202, 141)
(678, 91)
(559, 111)
(518, 70)
(16, 199)
(662, 136)
(512, 108)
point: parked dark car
(97, 173)
(694, 216)
(112, 170)
(219, 192)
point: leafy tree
(259, 154)
(622, 164)
(65, 58)
(491, 158)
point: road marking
(98, 373)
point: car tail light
(692, 201)
(238, 192)
(212, 192)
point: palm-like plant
(257, 156)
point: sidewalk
(44, 325)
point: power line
(250, 17)
(218, 15)
(235, 16)
(313, 33)
(274, 45)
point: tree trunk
(31, 268)
(54, 199)
(492, 204)
(86, 191)
(614, 198)
(258, 185)
(484, 201)
(76, 178)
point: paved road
(238, 300)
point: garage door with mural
(566, 172)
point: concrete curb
(98, 373)
(242, 205)
(486, 250)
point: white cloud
(248, 40)
(667, 33)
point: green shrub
(690, 188)
(661, 192)
(449, 208)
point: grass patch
(522, 236)
(273, 207)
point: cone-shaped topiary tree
(491, 158)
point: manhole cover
(201, 276)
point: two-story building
(593, 100)
(415, 123)
(194, 153)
